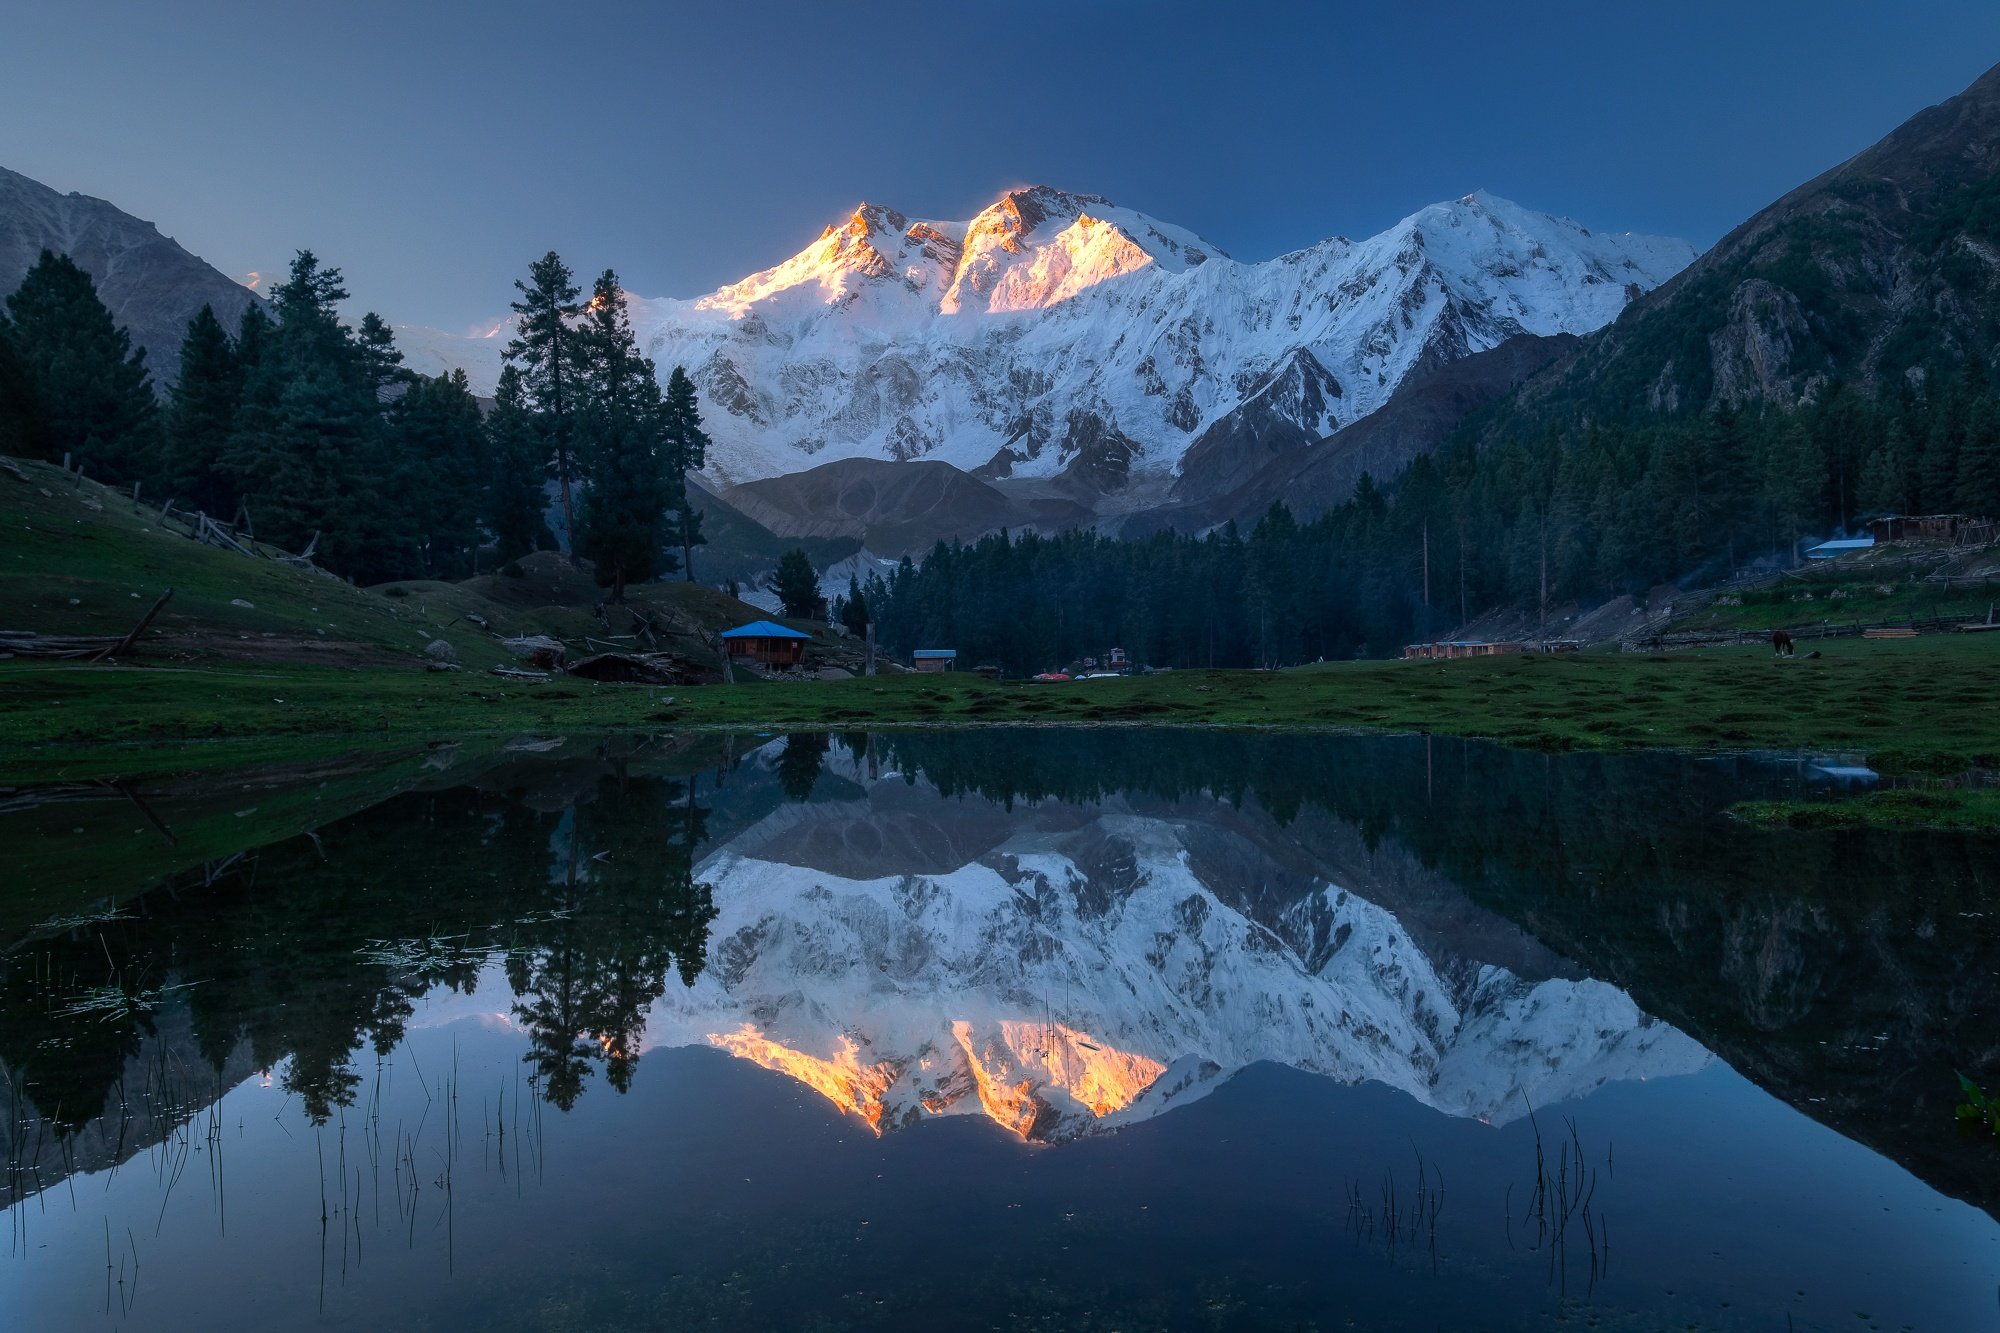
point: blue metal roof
(763, 629)
(935, 652)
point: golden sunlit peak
(1030, 1078)
(841, 1078)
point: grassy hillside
(82, 559)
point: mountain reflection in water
(1063, 934)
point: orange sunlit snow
(1012, 1067)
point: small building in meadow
(767, 642)
(1916, 527)
(1455, 648)
(1838, 547)
(934, 659)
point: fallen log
(90, 647)
(139, 628)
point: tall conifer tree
(625, 523)
(513, 504)
(95, 395)
(547, 352)
(20, 414)
(687, 451)
(201, 413)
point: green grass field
(256, 662)
(1859, 595)
(1923, 704)
(1964, 808)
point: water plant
(1978, 1111)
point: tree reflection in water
(302, 954)
(603, 931)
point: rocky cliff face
(149, 283)
(1871, 272)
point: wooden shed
(1459, 648)
(767, 642)
(1916, 527)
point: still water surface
(1002, 1030)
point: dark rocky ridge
(150, 283)
(1866, 274)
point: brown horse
(1781, 644)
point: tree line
(1543, 514)
(312, 431)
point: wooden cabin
(1459, 648)
(1917, 527)
(767, 642)
(934, 659)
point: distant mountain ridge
(150, 284)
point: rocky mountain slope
(1313, 476)
(894, 507)
(149, 283)
(1068, 969)
(1866, 274)
(1059, 335)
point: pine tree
(201, 413)
(381, 362)
(621, 436)
(687, 451)
(513, 503)
(1978, 489)
(307, 304)
(1885, 485)
(796, 584)
(546, 350)
(439, 446)
(253, 336)
(1794, 482)
(20, 414)
(95, 395)
(854, 608)
(307, 454)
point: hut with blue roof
(768, 642)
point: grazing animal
(1781, 644)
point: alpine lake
(1002, 1029)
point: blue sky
(432, 149)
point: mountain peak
(869, 220)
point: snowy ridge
(1077, 974)
(1059, 333)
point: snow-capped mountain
(1059, 334)
(1067, 969)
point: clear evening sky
(432, 149)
